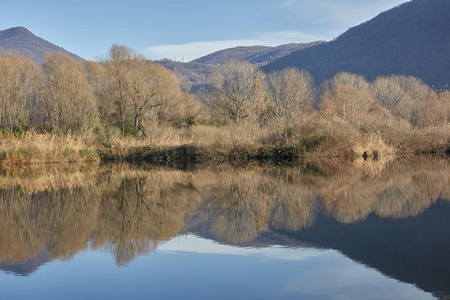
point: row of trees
(130, 93)
(240, 91)
(64, 95)
(53, 96)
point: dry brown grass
(229, 135)
(33, 148)
(373, 146)
(310, 134)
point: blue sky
(189, 28)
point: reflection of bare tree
(246, 203)
(130, 211)
(235, 222)
(132, 221)
(70, 216)
(59, 221)
(140, 213)
(293, 213)
(19, 239)
(408, 202)
(403, 188)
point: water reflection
(390, 215)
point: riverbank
(185, 147)
(33, 149)
(64, 151)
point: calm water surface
(323, 230)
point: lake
(325, 229)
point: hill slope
(21, 40)
(196, 72)
(410, 39)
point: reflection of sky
(188, 267)
(194, 244)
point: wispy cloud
(193, 50)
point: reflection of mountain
(25, 268)
(384, 214)
(414, 250)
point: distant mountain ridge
(257, 55)
(21, 40)
(410, 39)
(196, 72)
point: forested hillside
(412, 39)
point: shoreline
(188, 156)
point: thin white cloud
(193, 50)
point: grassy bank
(32, 148)
(312, 137)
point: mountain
(196, 72)
(238, 53)
(21, 40)
(257, 55)
(410, 39)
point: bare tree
(411, 99)
(137, 85)
(193, 111)
(261, 105)
(98, 79)
(445, 100)
(143, 87)
(347, 79)
(68, 100)
(348, 103)
(19, 78)
(117, 68)
(291, 91)
(233, 89)
(388, 91)
(167, 95)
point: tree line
(240, 90)
(126, 94)
(63, 95)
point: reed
(36, 148)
